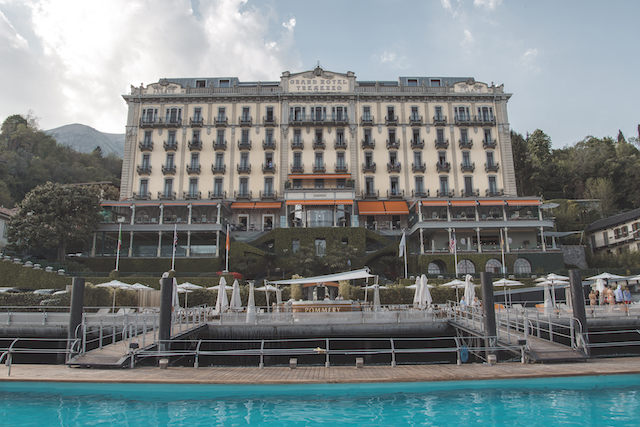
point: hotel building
(429, 155)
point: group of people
(611, 297)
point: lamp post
(120, 221)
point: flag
(227, 245)
(403, 245)
(175, 235)
(120, 239)
(452, 243)
(501, 240)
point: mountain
(85, 139)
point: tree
(601, 189)
(52, 215)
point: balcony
(147, 123)
(443, 166)
(297, 119)
(369, 167)
(341, 168)
(367, 120)
(483, 120)
(244, 168)
(470, 193)
(395, 194)
(197, 121)
(193, 169)
(368, 143)
(462, 119)
(173, 122)
(242, 194)
(146, 145)
(245, 120)
(319, 144)
(391, 120)
(217, 194)
(166, 195)
(170, 146)
(297, 168)
(319, 168)
(142, 196)
(268, 194)
(465, 143)
(370, 194)
(493, 167)
(467, 167)
(439, 120)
(297, 145)
(219, 168)
(220, 144)
(420, 167)
(244, 144)
(494, 192)
(489, 143)
(420, 193)
(394, 143)
(191, 195)
(445, 193)
(269, 167)
(144, 169)
(221, 121)
(341, 145)
(393, 167)
(339, 119)
(417, 143)
(169, 170)
(269, 120)
(441, 144)
(415, 120)
(195, 144)
(269, 144)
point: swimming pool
(580, 401)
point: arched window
(436, 267)
(466, 266)
(522, 266)
(493, 266)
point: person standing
(593, 299)
(618, 294)
(626, 294)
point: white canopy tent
(363, 273)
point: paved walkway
(336, 374)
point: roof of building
(6, 212)
(614, 220)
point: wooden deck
(335, 374)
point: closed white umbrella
(251, 305)
(115, 285)
(222, 303)
(418, 289)
(236, 303)
(425, 299)
(469, 290)
(600, 287)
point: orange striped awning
(524, 202)
(371, 208)
(396, 208)
(434, 203)
(463, 203)
(242, 205)
(268, 205)
(319, 202)
(491, 202)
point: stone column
(166, 295)
(578, 305)
(77, 307)
(489, 311)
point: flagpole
(227, 247)
(405, 255)
(119, 244)
(175, 241)
(504, 267)
(455, 251)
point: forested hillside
(29, 157)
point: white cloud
(467, 40)
(487, 4)
(393, 60)
(529, 60)
(446, 4)
(87, 54)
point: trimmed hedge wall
(142, 265)
(282, 237)
(18, 276)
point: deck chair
(103, 311)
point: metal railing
(7, 354)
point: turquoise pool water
(578, 401)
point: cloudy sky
(571, 66)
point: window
(466, 266)
(245, 114)
(149, 115)
(340, 159)
(485, 113)
(319, 113)
(321, 247)
(297, 113)
(419, 185)
(193, 187)
(493, 188)
(444, 185)
(493, 266)
(367, 136)
(442, 157)
(440, 136)
(244, 160)
(168, 187)
(225, 83)
(339, 113)
(268, 186)
(435, 82)
(319, 160)
(220, 135)
(297, 159)
(392, 136)
(462, 113)
(270, 116)
(416, 136)
(196, 136)
(434, 268)
(340, 136)
(490, 161)
(468, 185)
(174, 115)
(244, 186)
(417, 158)
(605, 237)
(170, 161)
(438, 112)
(366, 113)
(268, 137)
(487, 136)
(222, 114)
(319, 184)
(217, 187)
(147, 137)
(412, 82)
(318, 136)
(341, 183)
(245, 136)
(144, 187)
(219, 161)
(466, 159)
(368, 159)
(197, 114)
(394, 185)
(391, 113)
(195, 160)
(522, 266)
(268, 159)
(464, 135)
(297, 137)
(295, 245)
(393, 157)
(368, 185)
(171, 138)
(146, 161)
(201, 83)
(297, 184)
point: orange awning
(491, 202)
(268, 205)
(242, 205)
(371, 208)
(526, 202)
(320, 176)
(396, 208)
(463, 203)
(434, 203)
(319, 202)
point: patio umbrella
(457, 284)
(189, 287)
(376, 295)
(266, 289)
(425, 298)
(418, 289)
(606, 276)
(222, 304)
(251, 305)
(600, 286)
(507, 283)
(236, 303)
(115, 285)
(141, 287)
(469, 290)
(553, 280)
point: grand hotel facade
(429, 155)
